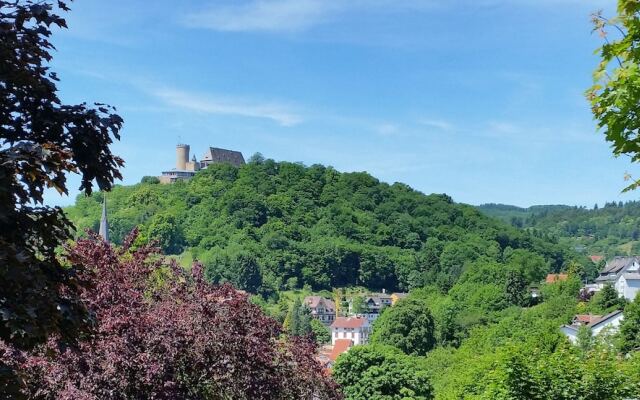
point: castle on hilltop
(186, 169)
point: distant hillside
(511, 214)
(610, 230)
(278, 225)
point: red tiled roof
(586, 318)
(351, 322)
(341, 346)
(596, 259)
(552, 278)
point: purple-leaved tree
(165, 333)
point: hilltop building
(186, 169)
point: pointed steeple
(104, 223)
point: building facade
(186, 169)
(623, 273)
(324, 310)
(595, 323)
(355, 329)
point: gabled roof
(604, 319)
(315, 301)
(593, 320)
(617, 264)
(217, 155)
(349, 322)
(585, 319)
(312, 301)
(341, 346)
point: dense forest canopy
(609, 230)
(269, 225)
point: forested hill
(613, 229)
(272, 225)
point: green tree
(321, 332)
(292, 321)
(565, 374)
(165, 230)
(585, 338)
(357, 305)
(381, 373)
(152, 180)
(607, 299)
(246, 274)
(304, 318)
(298, 320)
(516, 289)
(630, 327)
(615, 94)
(408, 325)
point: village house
(328, 354)
(623, 273)
(324, 310)
(595, 323)
(356, 329)
(374, 303)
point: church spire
(104, 223)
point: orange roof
(351, 322)
(596, 259)
(552, 278)
(341, 346)
(586, 318)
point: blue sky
(479, 99)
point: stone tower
(182, 156)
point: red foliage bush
(164, 333)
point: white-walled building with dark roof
(623, 273)
(596, 324)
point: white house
(324, 310)
(623, 273)
(373, 305)
(597, 324)
(353, 328)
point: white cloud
(436, 123)
(301, 15)
(502, 128)
(387, 129)
(289, 15)
(264, 15)
(226, 106)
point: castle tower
(104, 223)
(182, 156)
